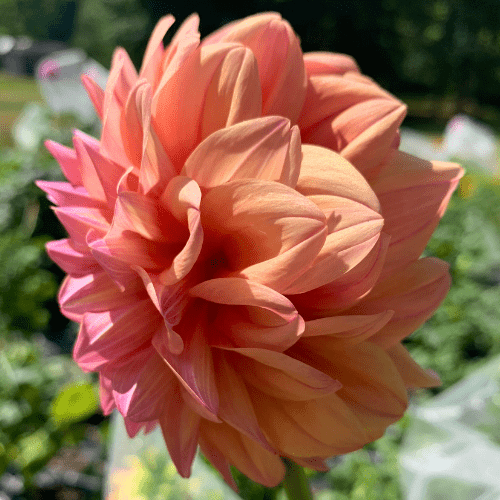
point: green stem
(295, 482)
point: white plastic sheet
(450, 452)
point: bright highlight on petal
(243, 250)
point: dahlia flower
(244, 248)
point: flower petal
(72, 261)
(194, 366)
(414, 293)
(67, 160)
(413, 194)
(279, 58)
(153, 56)
(326, 63)
(265, 148)
(109, 335)
(95, 93)
(235, 404)
(180, 429)
(281, 376)
(413, 375)
(264, 319)
(248, 456)
(268, 232)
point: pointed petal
(328, 95)
(64, 194)
(245, 454)
(414, 194)
(95, 93)
(326, 63)
(94, 292)
(319, 427)
(371, 384)
(265, 319)
(122, 78)
(177, 119)
(265, 148)
(280, 61)
(180, 428)
(153, 56)
(341, 331)
(219, 461)
(106, 395)
(70, 260)
(78, 221)
(67, 160)
(194, 366)
(83, 143)
(109, 335)
(235, 404)
(234, 93)
(281, 376)
(414, 293)
(413, 375)
(141, 384)
(346, 290)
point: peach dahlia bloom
(243, 250)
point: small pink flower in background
(243, 250)
(49, 70)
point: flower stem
(295, 482)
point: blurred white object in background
(464, 139)
(467, 139)
(58, 77)
(451, 449)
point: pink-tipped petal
(194, 366)
(95, 93)
(74, 262)
(67, 160)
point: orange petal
(413, 194)
(327, 63)
(254, 315)
(180, 429)
(281, 376)
(340, 331)
(79, 220)
(413, 375)
(122, 78)
(233, 94)
(279, 58)
(178, 115)
(235, 404)
(249, 457)
(95, 93)
(414, 293)
(153, 56)
(348, 289)
(268, 231)
(265, 148)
